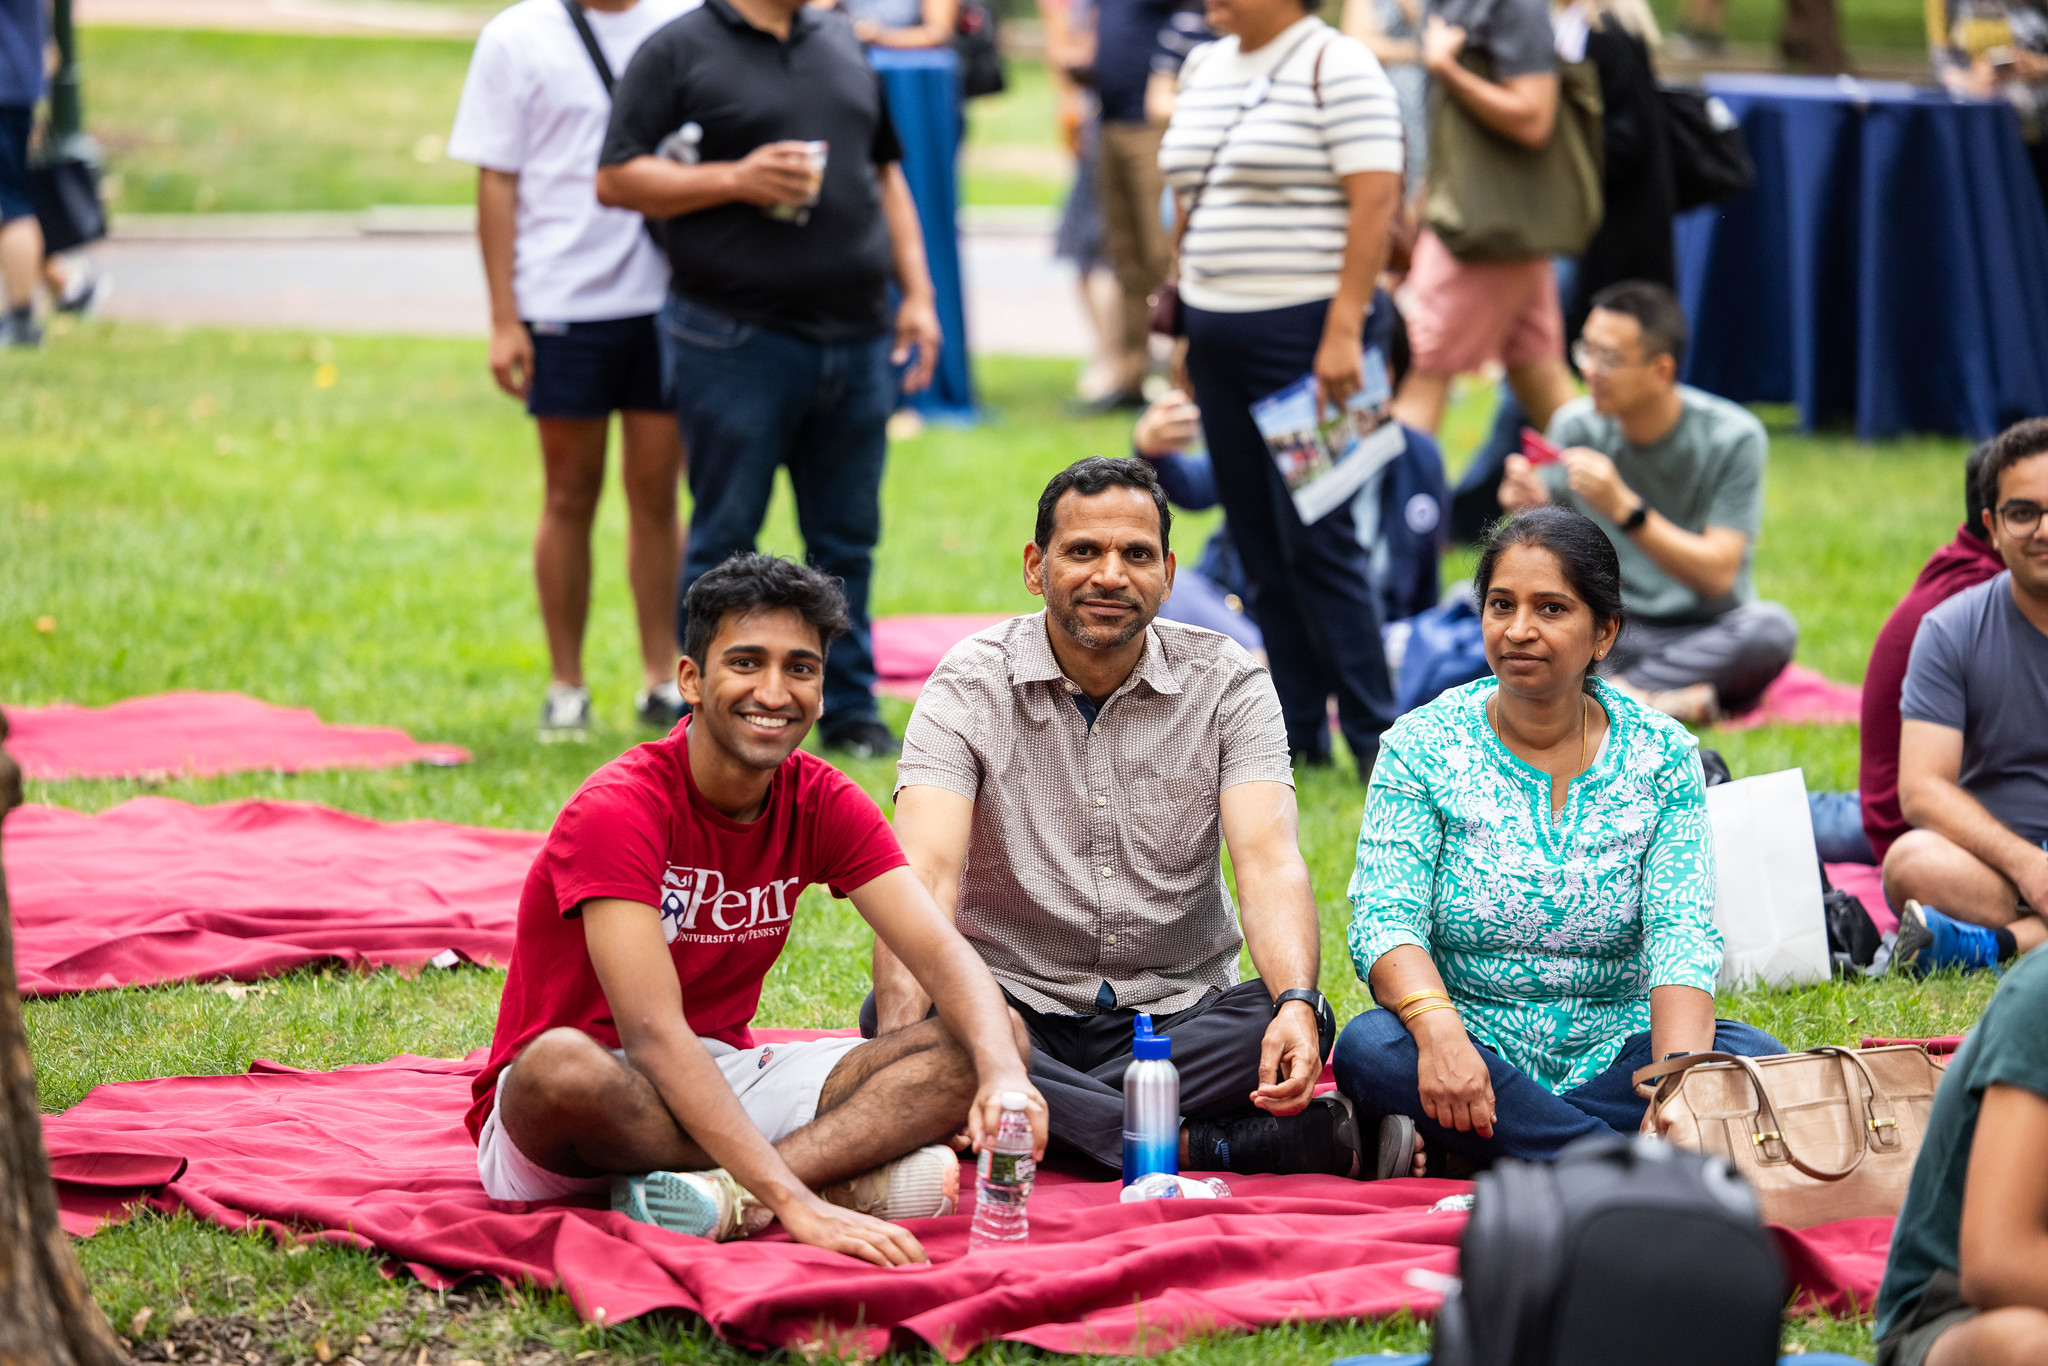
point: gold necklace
(1585, 727)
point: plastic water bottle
(1151, 1105)
(1160, 1186)
(1003, 1180)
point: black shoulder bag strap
(604, 68)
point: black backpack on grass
(1622, 1251)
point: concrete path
(416, 272)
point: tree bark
(1811, 39)
(47, 1317)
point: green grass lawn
(196, 121)
(267, 122)
(194, 512)
(1890, 27)
(264, 122)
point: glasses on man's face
(2020, 517)
(1599, 358)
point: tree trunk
(47, 1317)
(1811, 39)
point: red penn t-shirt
(638, 830)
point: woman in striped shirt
(1285, 155)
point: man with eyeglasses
(1971, 876)
(1675, 477)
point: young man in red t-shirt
(622, 1057)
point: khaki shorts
(1462, 314)
(777, 1083)
(1939, 1308)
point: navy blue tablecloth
(1889, 268)
(922, 86)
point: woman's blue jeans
(1375, 1064)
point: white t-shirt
(533, 105)
(1268, 231)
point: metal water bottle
(1151, 1105)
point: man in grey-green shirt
(1675, 477)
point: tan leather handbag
(1830, 1134)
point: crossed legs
(574, 1109)
(1934, 870)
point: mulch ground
(415, 1336)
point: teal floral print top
(1549, 934)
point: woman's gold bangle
(1410, 1017)
(1412, 997)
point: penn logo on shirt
(697, 903)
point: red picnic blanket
(377, 1157)
(1799, 696)
(199, 735)
(156, 890)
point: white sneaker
(920, 1185)
(706, 1204)
(565, 714)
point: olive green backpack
(1491, 199)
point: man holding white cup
(777, 339)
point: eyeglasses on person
(2021, 518)
(1587, 357)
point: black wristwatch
(1326, 1019)
(1637, 518)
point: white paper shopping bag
(1767, 876)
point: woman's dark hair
(747, 583)
(1098, 474)
(1584, 555)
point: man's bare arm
(639, 980)
(1277, 906)
(1932, 797)
(922, 939)
(918, 336)
(1708, 562)
(2002, 1246)
(497, 210)
(932, 825)
(773, 173)
(637, 973)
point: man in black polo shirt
(776, 334)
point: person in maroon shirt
(622, 1057)
(1965, 562)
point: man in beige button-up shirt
(1066, 785)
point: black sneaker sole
(1914, 939)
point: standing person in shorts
(21, 237)
(1462, 314)
(622, 1058)
(574, 288)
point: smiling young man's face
(761, 686)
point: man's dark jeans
(750, 400)
(1078, 1062)
(1376, 1062)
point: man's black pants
(1078, 1062)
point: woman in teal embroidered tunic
(1533, 900)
